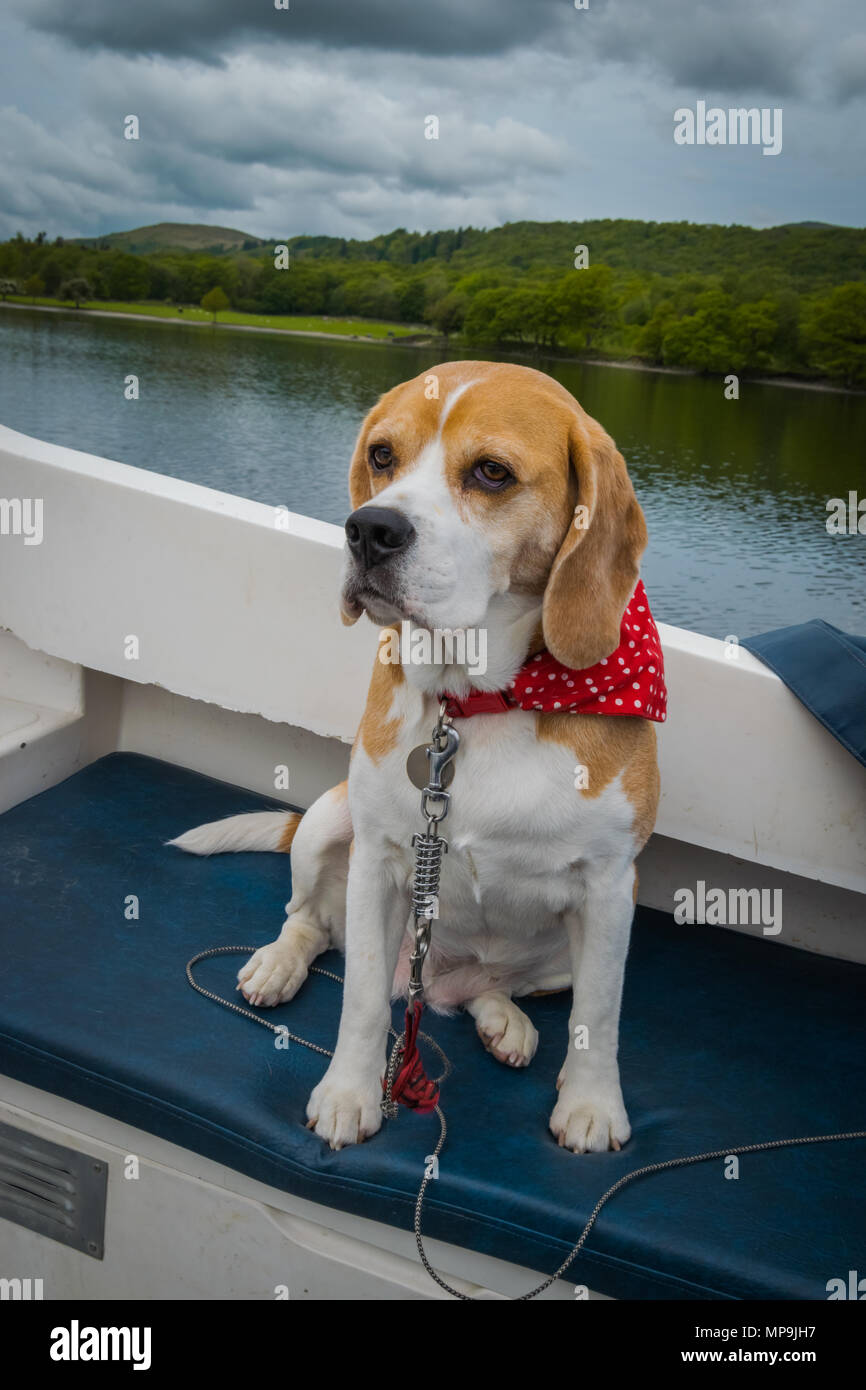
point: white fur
(254, 831)
(536, 891)
(537, 884)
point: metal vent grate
(56, 1191)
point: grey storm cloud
(850, 68)
(736, 47)
(205, 28)
(312, 118)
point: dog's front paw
(505, 1030)
(345, 1111)
(273, 974)
(590, 1122)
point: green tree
(412, 301)
(704, 339)
(52, 274)
(753, 331)
(76, 289)
(649, 340)
(480, 321)
(834, 333)
(379, 299)
(126, 277)
(215, 301)
(34, 285)
(586, 301)
(447, 314)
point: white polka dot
(601, 699)
(556, 704)
(621, 660)
(569, 682)
(529, 690)
(594, 689)
(635, 685)
(589, 680)
(637, 704)
(652, 670)
(619, 702)
(604, 661)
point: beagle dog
(484, 498)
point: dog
(484, 497)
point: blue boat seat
(726, 1040)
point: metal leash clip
(430, 846)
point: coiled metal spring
(428, 866)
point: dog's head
(478, 479)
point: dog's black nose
(376, 534)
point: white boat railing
(210, 596)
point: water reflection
(735, 492)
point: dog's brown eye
(490, 473)
(381, 456)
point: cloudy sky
(311, 119)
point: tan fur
(580, 579)
(607, 746)
(561, 459)
(288, 835)
(597, 567)
(378, 733)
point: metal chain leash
(279, 1028)
(429, 848)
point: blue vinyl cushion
(725, 1040)
(826, 669)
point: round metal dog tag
(418, 769)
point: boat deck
(726, 1040)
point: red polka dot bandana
(629, 681)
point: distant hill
(712, 298)
(176, 236)
(805, 254)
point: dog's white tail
(272, 830)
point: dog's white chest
(521, 832)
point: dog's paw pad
(344, 1114)
(588, 1124)
(506, 1032)
(272, 975)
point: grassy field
(355, 328)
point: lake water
(735, 492)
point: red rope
(412, 1087)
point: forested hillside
(786, 299)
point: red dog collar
(629, 681)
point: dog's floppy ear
(596, 568)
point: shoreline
(411, 339)
(415, 340)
